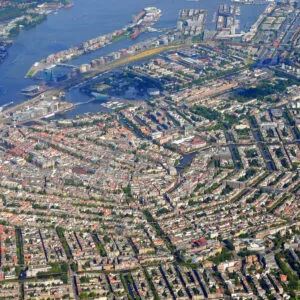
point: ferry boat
(100, 97)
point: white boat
(5, 105)
(49, 116)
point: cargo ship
(148, 16)
(139, 16)
(136, 34)
(70, 5)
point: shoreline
(30, 19)
(53, 93)
(132, 30)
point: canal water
(185, 161)
(86, 20)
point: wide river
(86, 20)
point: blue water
(86, 20)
